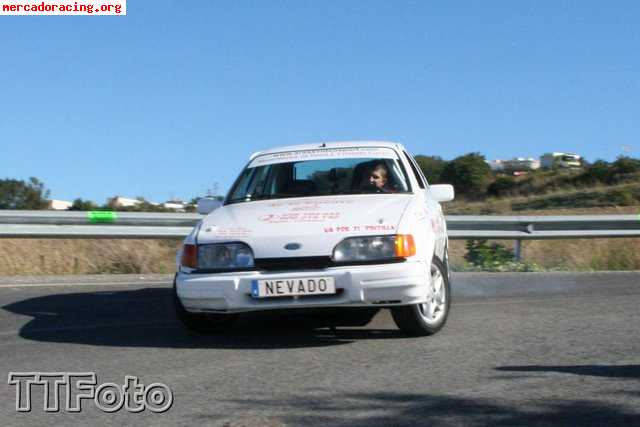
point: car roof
(333, 144)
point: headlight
(219, 256)
(372, 248)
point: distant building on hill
(561, 160)
(59, 205)
(495, 165)
(177, 205)
(122, 202)
(519, 164)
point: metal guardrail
(519, 228)
(90, 225)
(142, 225)
(83, 218)
(543, 227)
(54, 224)
(136, 225)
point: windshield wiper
(289, 196)
(264, 197)
(352, 192)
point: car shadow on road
(426, 409)
(146, 318)
(608, 371)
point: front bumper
(357, 286)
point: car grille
(311, 263)
(294, 263)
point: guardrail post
(517, 250)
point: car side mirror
(442, 192)
(206, 206)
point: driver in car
(378, 179)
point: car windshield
(274, 178)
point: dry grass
(39, 256)
(91, 256)
(572, 255)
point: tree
(83, 205)
(598, 171)
(626, 165)
(432, 167)
(502, 186)
(15, 194)
(469, 174)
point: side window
(415, 170)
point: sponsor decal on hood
(317, 223)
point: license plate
(293, 287)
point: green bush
(598, 172)
(502, 186)
(432, 167)
(626, 165)
(623, 197)
(482, 256)
(469, 174)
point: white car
(350, 225)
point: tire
(202, 323)
(428, 318)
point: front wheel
(429, 317)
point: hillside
(481, 191)
(615, 199)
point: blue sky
(168, 100)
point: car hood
(312, 224)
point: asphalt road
(534, 349)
